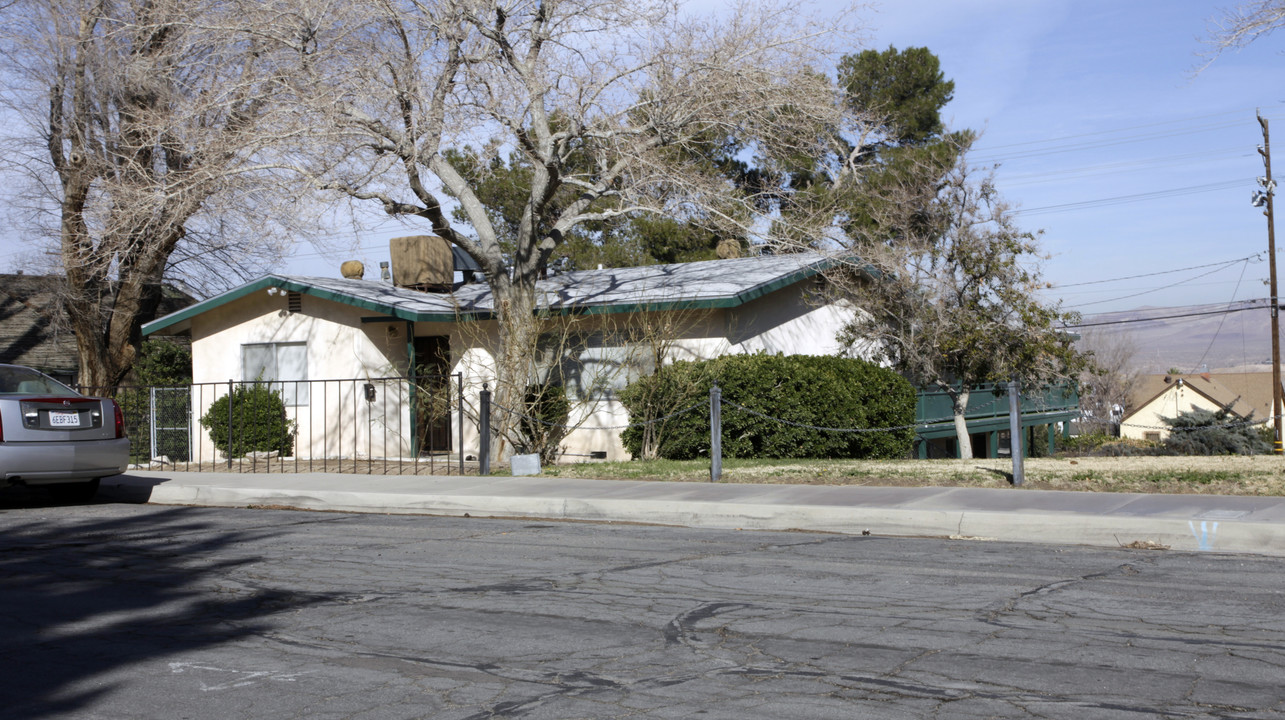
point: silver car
(53, 436)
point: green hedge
(810, 390)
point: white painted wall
(340, 350)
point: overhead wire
(1223, 264)
(1137, 197)
(1127, 321)
(1223, 320)
(1122, 129)
(1151, 290)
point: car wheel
(75, 492)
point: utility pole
(1264, 197)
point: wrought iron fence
(387, 425)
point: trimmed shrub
(808, 391)
(546, 411)
(258, 422)
(1201, 432)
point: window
(593, 366)
(283, 363)
(1151, 437)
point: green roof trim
(182, 316)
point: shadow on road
(84, 596)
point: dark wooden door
(433, 393)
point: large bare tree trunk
(515, 306)
(959, 404)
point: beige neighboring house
(1155, 397)
(290, 329)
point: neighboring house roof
(707, 284)
(33, 327)
(1236, 400)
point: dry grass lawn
(1223, 475)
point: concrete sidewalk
(1181, 522)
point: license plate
(64, 419)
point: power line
(1223, 321)
(1056, 145)
(1045, 176)
(1148, 292)
(1167, 317)
(1121, 129)
(1125, 140)
(1123, 199)
(1226, 263)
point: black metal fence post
(715, 433)
(229, 448)
(459, 399)
(484, 451)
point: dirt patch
(1224, 475)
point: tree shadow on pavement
(88, 595)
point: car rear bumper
(42, 463)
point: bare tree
(1106, 385)
(637, 92)
(947, 285)
(148, 137)
(1239, 26)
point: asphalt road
(127, 611)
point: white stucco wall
(337, 420)
(1149, 418)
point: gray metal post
(715, 434)
(151, 422)
(1015, 433)
(484, 451)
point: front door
(433, 393)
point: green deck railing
(988, 411)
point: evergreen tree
(1205, 432)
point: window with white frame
(285, 364)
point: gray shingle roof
(707, 284)
(33, 324)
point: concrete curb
(1185, 531)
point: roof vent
(294, 302)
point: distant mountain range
(1193, 338)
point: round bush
(258, 422)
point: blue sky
(1085, 106)
(1106, 141)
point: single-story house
(1154, 397)
(289, 329)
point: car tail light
(120, 420)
